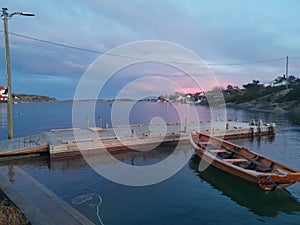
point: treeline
(282, 89)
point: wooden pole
(8, 76)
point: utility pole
(5, 17)
(287, 72)
(287, 67)
(8, 75)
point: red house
(3, 94)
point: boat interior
(241, 157)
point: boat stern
(273, 181)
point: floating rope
(87, 197)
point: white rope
(87, 197)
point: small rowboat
(241, 162)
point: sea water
(188, 197)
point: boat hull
(271, 180)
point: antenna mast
(287, 67)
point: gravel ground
(9, 213)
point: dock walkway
(60, 141)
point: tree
(254, 85)
(232, 89)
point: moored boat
(244, 163)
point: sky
(226, 35)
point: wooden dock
(69, 142)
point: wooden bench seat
(218, 151)
(236, 160)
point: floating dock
(44, 206)
(69, 142)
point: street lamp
(5, 17)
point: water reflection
(32, 161)
(255, 139)
(130, 157)
(294, 118)
(3, 115)
(260, 139)
(142, 158)
(259, 202)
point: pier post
(272, 128)
(259, 127)
(227, 126)
(252, 131)
(186, 125)
(186, 129)
(87, 122)
(133, 132)
(100, 121)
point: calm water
(189, 197)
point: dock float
(67, 142)
(32, 203)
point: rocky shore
(259, 105)
(271, 99)
(9, 213)
(32, 98)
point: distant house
(3, 94)
(283, 81)
(279, 81)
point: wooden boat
(241, 162)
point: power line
(138, 58)
(245, 63)
(70, 46)
(54, 43)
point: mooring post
(133, 132)
(252, 131)
(259, 128)
(227, 126)
(100, 121)
(272, 128)
(87, 122)
(186, 129)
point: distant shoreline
(19, 98)
(24, 98)
(287, 108)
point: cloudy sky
(226, 35)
